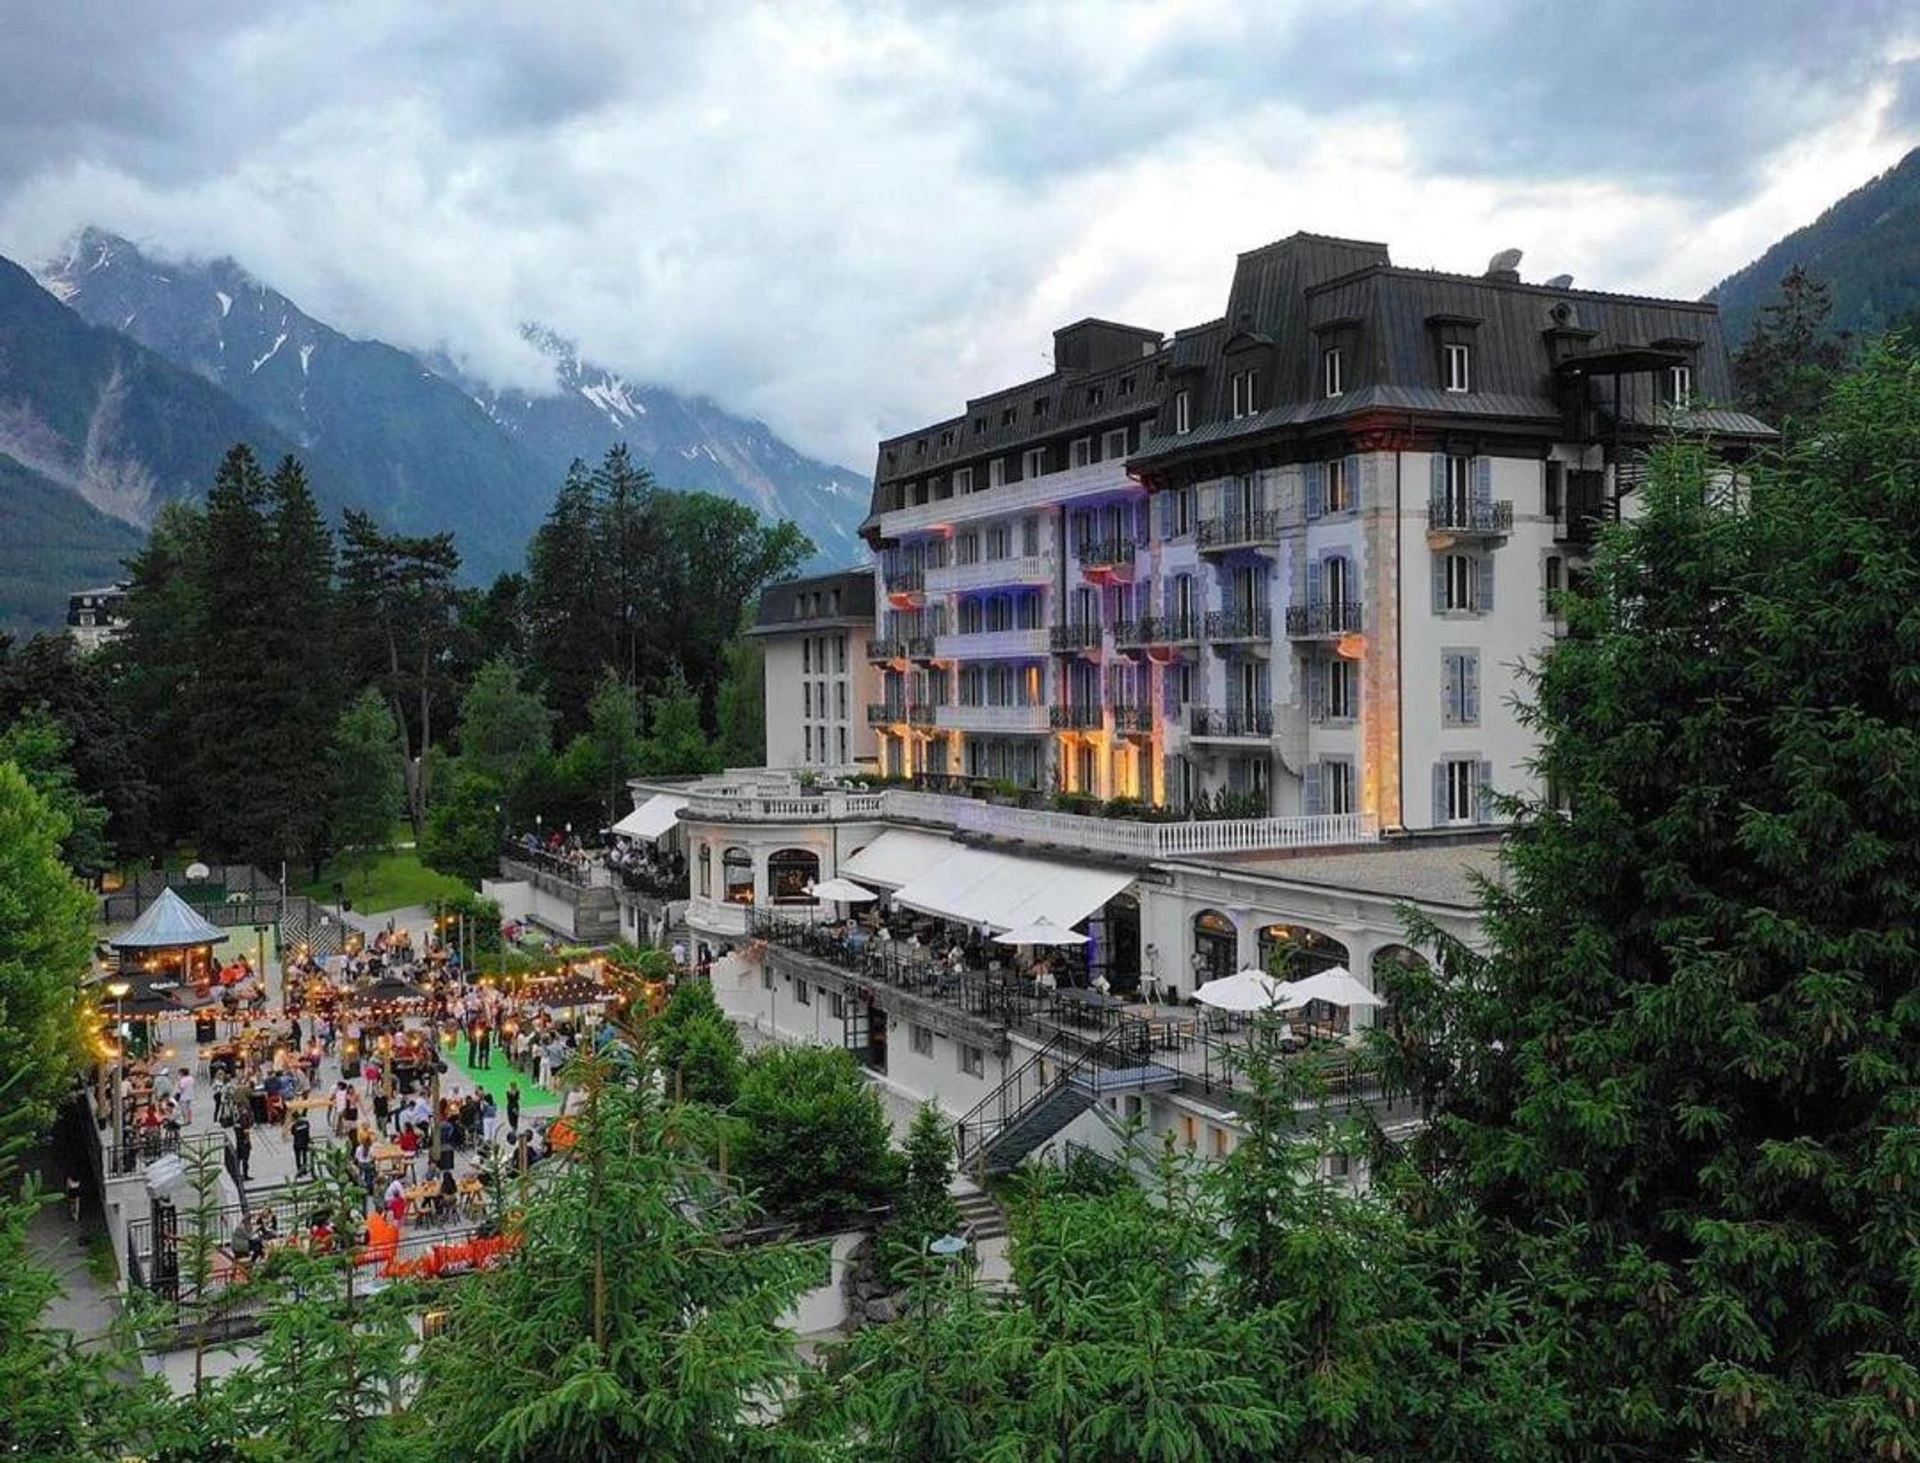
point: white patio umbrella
(1335, 985)
(1243, 991)
(1042, 931)
(842, 891)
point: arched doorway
(1117, 956)
(790, 872)
(1216, 947)
(736, 876)
(1300, 949)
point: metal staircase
(1059, 1082)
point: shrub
(813, 1135)
(697, 1047)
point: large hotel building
(1289, 561)
(1206, 648)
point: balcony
(992, 644)
(1323, 619)
(918, 715)
(880, 651)
(1247, 625)
(993, 718)
(1133, 721)
(907, 587)
(990, 574)
(1240, 531)
(1074, 637)
(1451, 520)
(1107, 560)
(1235, 724)
(881, 713)
(922, 647)
(1049, 490)
(1151, 630)
(1075, 718)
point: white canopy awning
(652, 818)
(897, 857)
(1003, 891)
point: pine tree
(367, 783)
(1677, 1103)
(1789, 362)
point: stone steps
(981, 1217)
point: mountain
(1865, 248)
(96, 433)
(413, 449)
(686, 442)
(430, 448)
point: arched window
(1216, 947)
(706, 871)
(789, 873)
(1302, 950)
(736, 876)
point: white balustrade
(1047, 491)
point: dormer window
(979, 425)
(1333, 373)
(1009, 415)
(1456, 365)
(1125, 387)
(1096, 395)
(1040, 406)
(1679, 385)
(1182, 412)
(1245, 389)
(920, 448)
(946, 438)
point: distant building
(820, 679)
(95, 616)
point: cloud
(848, 217)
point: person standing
(513, 1107)
(302, 1145)
(486, 1046)
(243, 1143)
(186, 1098)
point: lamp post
(118, 989)
(940, 1251)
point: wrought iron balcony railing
(1323, 619)
(1248, 623)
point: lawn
(388, 880)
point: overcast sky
(846, 218)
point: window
(1462, 579)
(837, 1005)
(973, 1061)
(1009, 415)
(803, 993)
(979, 425)
(1034, 464)
(1336, 781)
(806, 698)
(1082, 451)
(1332, 372)
(963, 480)
(1339, 489)
(1179, 512)
(1125, 387)
(840, 651)
(1096, 395)
(1039, 406)
(840, 739)
(997, 473)
(1459, 688)
(806, 733)
(1245, 387)
(920, 1038)
(946, 438)
(1459, 504)
(1679, 385)
(1459, 790)
(1456, 363)
(1000, 541)
(1182, 412)
(766, 975)
(1030, 536)
(1342, 689)
(840, 699)
(806, 653)
(1114, 444)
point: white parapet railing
(1047, 491)
(1127, 837)
(992, 718)
(990, 574)
(754, 805)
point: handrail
(996, 1112)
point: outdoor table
(306, 1104)
(389, 1156)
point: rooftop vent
(1505, 266)
(1560, 282)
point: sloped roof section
(169, 923)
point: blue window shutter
(1484, 604)
(1316, 582)
(1352, 470)
(1438, 490)
(1166, 515)
(1450, 665)
(1313, 795)
(1483, 484)
(1317, 670)
(1439, 562)
(1470, 688)
(1316, 490)
(1439, 794)
(1482, 794)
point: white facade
(818, 676)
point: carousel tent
(169, 923)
